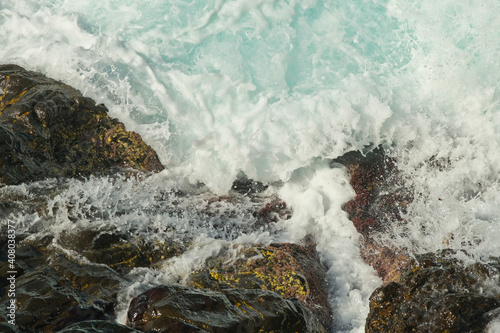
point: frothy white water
(274, 89)
(317, 193)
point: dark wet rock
(118, 251)
(229, 310)
(53, 290)
(437, 293)
(48, 129)
(98, 311)
(65, 292)
(7, 328)
(75, 277)
(291, 270)
(28, 198)
(381, 199)
(98, 326)
(243, 185)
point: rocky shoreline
(70, 283)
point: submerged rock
(437, 293)
(48, 129)
(174, 308)
(245, 186)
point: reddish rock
(273, 211)
(388, 262)
(380, 200)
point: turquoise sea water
(274, 89)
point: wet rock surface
(291, 270)
(7, 328)
(437, 293)
(68, 276)
(228, 310)
(118, 251)
(73, 278)
(446, 291)
(48, 129)
(56, 288)
(381, 199)
(98, 326)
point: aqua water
(275, 89)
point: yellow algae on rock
(290, 270)
(48, 129)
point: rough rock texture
(98, 326)
(273, 211)
(48, 129)
(69, 281)
(55, 290)
(291, 270)
(74, 277)
(175, 308)
(120, 252)
(389, 262)
(437, 293)
(380, 200)
(434, 292)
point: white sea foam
(275, 89)
(317, 193)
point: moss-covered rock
(437, 293)
(291, 270)
(48, 129)
(229, 310)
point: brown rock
(48, 129)
(436, 293)
(380, 200)
(229, 310)
(291, 270)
